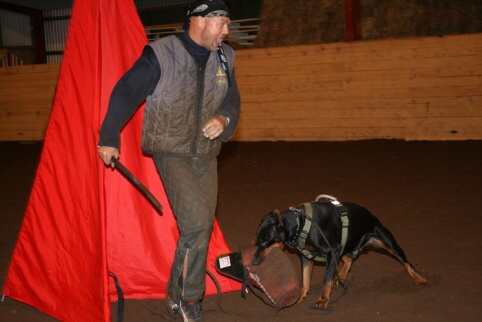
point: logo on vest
(221, 76)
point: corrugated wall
(56, 26)
(141, 4)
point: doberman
(328, 240)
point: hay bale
(419, 18)
(290, 23)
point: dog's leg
(307, 267)
(347, 262)
(392, 247)
(330, 273)
(325, 294)
(419, 280)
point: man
(192, 106)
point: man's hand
(215, 126)
(106, 153)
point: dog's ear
(278, 216)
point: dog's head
(270, 231)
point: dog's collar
(293, 241)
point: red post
(352, 20)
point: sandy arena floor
(429, 194)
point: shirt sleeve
(230, 108)
(128, 94)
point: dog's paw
(421, 282)
(303, 294)
(322, 302)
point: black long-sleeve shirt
(140, 81)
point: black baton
(122, 169)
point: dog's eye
(261, 241)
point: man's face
(214, 31)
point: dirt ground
(429, 194)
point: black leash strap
(120, 298)
(224, 63)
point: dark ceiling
(42, 4)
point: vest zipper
(199, 105)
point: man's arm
(130, 91)
(230, 108)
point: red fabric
(83, 219)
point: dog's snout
(255, 262)
(256, 259)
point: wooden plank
(455, 102)
(22, 127)
(32, 116)
(423, 45)
(357, 62)
(282, 67)
(444, 128)
(327, 105)
(408, 73)
(315, 55)
(30, 69)
(320, 115)
(360, 94)
(306, 122)
(27, 94)
(25, 105)
(282, 107)
(33, 78)
(317, 134)
(26, 98)
(23, 134)
(305, 87)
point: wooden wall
(412, 89)
(26, 98)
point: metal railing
(9, 59)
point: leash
(120, 298)
(224, 63)
(219, 299)
(308, 215)
(345, 287)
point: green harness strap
(307, 226)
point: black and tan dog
(324, 240)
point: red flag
(83, 220)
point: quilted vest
(185, 98)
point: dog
(324, 240)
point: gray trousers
(191, 185)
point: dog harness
(308, 213)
